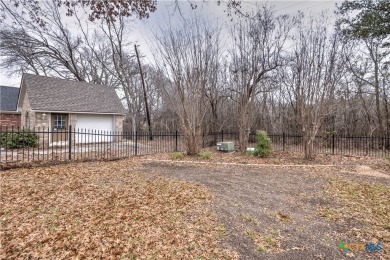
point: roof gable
(54, 94)
(8, 98)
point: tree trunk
(377, 98)
(214, 124)
(308, 142)
(386, 106)
(243, 128)
(192, 142)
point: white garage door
(94, 128)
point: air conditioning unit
(225, 147)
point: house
(54, 104)
(9, 114)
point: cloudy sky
(141, 32)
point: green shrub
(177, 155)
(18, 140)
(263, 144)
(206, 155)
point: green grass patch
(247, 218)
(329, 213)
(264, 243)
(177, 155)
(206, 155)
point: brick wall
(9, 120)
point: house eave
(9, 112)
(77, 112)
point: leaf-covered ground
(282, 158)
(272, 211)
(145, 209)
(104, 210)
(365, 204)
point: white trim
(74, 112)
(10, 112)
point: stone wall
(42, 120)
(9, 121)
(42, 126)
(27, 119)
(118, 125)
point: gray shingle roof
(8, 98)
(53, 94)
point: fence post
(222, 135)
(70, 142)
(333, 140)
(284, 141)
(136, 142)
(176, 142)
(203, 140)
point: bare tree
(124, 66)
(315, 68)
(257, 52)
(50, 51)
(368, 67)
(187, 55)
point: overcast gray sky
(141, 32)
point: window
(59, 122)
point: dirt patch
(367, 170)
(275, 212)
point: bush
(263, 144)
(206, 155)
(177, 155)
(18, 140)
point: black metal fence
(332, 144)
(42, 144)
(22, 145)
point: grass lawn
(137, 209)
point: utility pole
(145, 98)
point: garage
(94, 128)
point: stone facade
(42, 120)
(118, 121)
(9, 120)
(27, 119)
(42, 126)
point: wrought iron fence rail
(24, 145)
